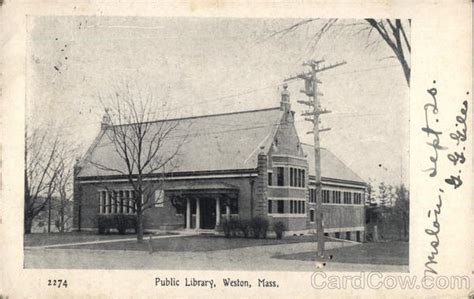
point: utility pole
(312, 115)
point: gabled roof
(331, 166)
(219, 142)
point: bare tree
(42, 154)
(141, 143)
(64, 193)
(394, 33)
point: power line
(364, 70)
(257, 125)
(219, 98)
(259, 89)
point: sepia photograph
(186, 143)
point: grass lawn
(194, 243)
(42, 239)
(387, 253)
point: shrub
(230, 227)
(124, 222)
(119, 222)
(259, 227)
(226, 227)
(105, 222)
(245, 227)
(234, 225)
(279, 227)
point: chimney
(285, 99)
(105, 120)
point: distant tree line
(387, 212)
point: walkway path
(175, 235)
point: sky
(202, 66)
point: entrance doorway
(208, 213)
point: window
(270, 179)
(312, 195)
(348, 235)
(120, 201)
(297, 206)
(325, 196)
(357, 198)
(127, 207)
(270, 207)
(280, 176)
(116, 202)
(280, 206)
(347, 197)
(159, 198)
(297, 177)
(292, 176)
(108, 203)
(311, 215)
(336, 196)
(102, 202)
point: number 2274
(60, 283)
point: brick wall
(77, 194)
(157, 217)
(261, 185)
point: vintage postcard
(234, 149)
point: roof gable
(228, 141)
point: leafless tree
(393, 32)
(145, 147)
(64, 193)
(42, 154)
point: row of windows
(297, 206)
(121, 201)
(297, 177)
(326, 196)
(113, 202)
(336, 196)
(348, 197)
(312, 195)
(276, 206)
(294, 207)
